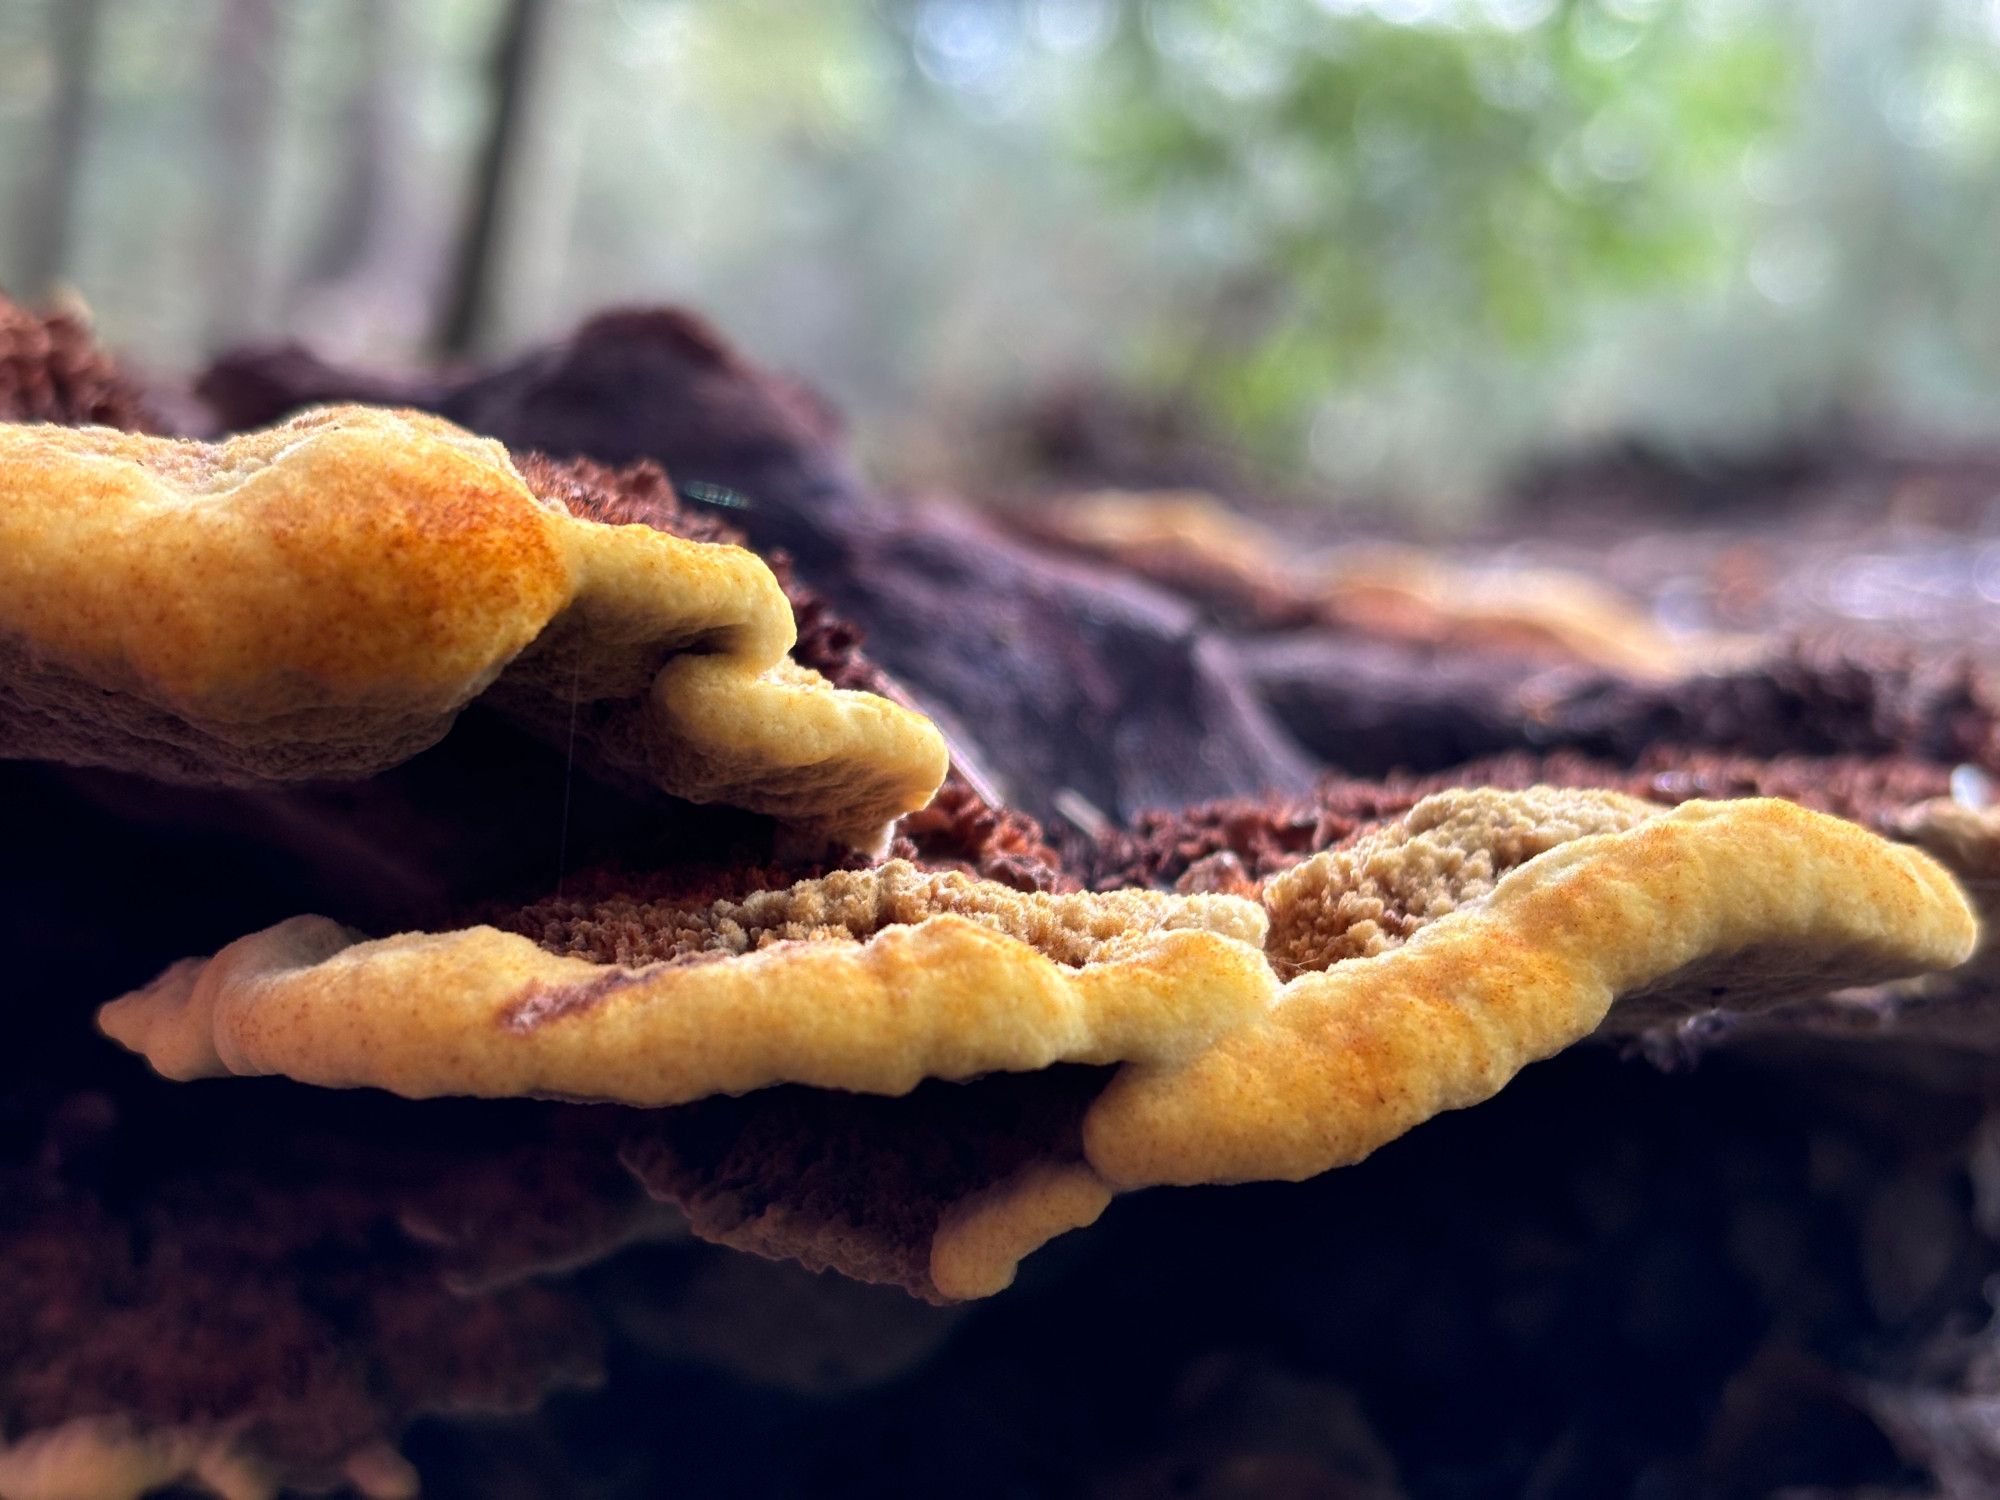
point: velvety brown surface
(165, 1264)
(1712, 1290)
(53, 370)
(853, 1182)
(962, 830)
(639, 494)
(1270, 835)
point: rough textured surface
(965, 827)
(865, 980)
(1264, 837)
(245, 1310)
(861, 1185)
(1075, 930)
(322, 598)
(1378, 891)
(1729, 905)
(52, 370)
(961, 829)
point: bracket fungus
(912, 1047)
(1731, 905)
(322, 598)
(863, 980)
(1411, 970)
(1063, 676)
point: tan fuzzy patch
(1374, 894)
(322, 598)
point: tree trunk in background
(48, 217)
(476, 264)
(242, 99)
(548, 174)
(371, 276)
(360, 169)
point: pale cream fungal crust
(869, 981)
(1734, 905)
(322, 598)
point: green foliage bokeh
(1382, 244)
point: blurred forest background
(1381, 245)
